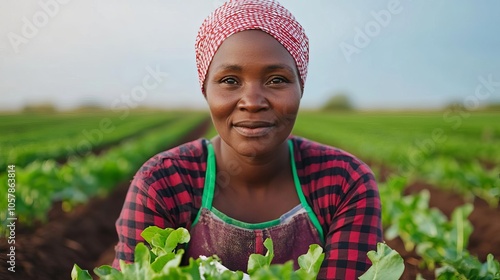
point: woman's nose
(253, 98)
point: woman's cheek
(220, 106)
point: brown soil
(487, 164)
(85, 236)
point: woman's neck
(256, 171)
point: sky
(385, 54)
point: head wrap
(239, 15)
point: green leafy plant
(163, 261)
(441, 242)
(387, 264)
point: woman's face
(253, 91)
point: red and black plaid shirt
(340, 189)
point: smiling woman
(254, 180)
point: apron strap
(302, 198)
(209, 187)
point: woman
(254, 180)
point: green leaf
(178, 236)
(174, 273)
(446, 273)
(462, 228)
(106, 272)
(211, 269)
(141, 254)
(391, 232)
(164, 241)
(387, 264)
(151, 231)
(231, 275)
(173, 262)
(141, 268)
(160, 262)
(312, 260)
(208, 266)
(193, 269)
(274, 272)
(158, 245)
(256, 261)
(79, 274)
(493, 266)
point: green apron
(214, 233)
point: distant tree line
(338, 102)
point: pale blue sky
(425, 55)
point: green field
(69, 158)
(89, 160)
(463, 154)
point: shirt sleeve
(142, 208)
(165, 192)
(355, 228)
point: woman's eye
(229, 81)
(277, 80)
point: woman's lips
(253, 129)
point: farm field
(439, 180)
(72, 172)
(66, 205)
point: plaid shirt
(340, 189)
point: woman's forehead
(251, 46)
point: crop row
(43, 182)
(441, 242)
(477, 137)
(26, 128)
(416, 154)
(76, 137)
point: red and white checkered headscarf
(239, 15)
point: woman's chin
(257, 146)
